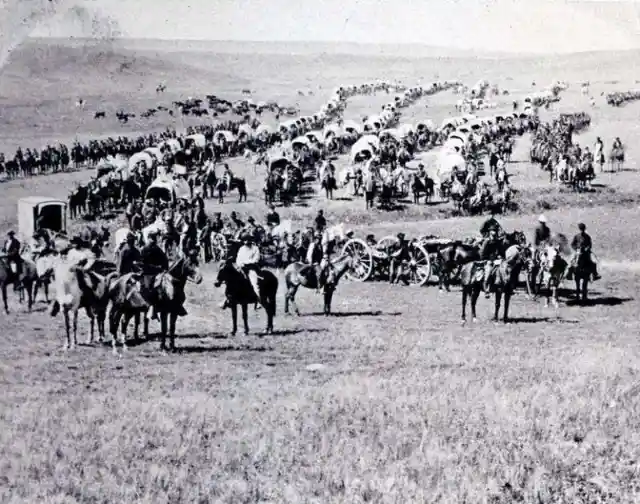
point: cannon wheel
(420, 266)
(218, 247)
(386, 241)
(363, 259)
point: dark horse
(306, 275)
(239, 291)
(168, 298)
(581, 273)
(235, 183)
(503, 283)
(23, 282)
(452, 257)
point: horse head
(226, 273)
(185, 269)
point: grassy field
(391, 400)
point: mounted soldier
(490, 252)
(314, 257)
(12, 250)
(129, 257)
(580, 244)
(491, 224)
(154, 262)
(542, 234)
(248, 261)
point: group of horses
(544, 268)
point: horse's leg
(245, 321)
(172, 330)
(114, 321)
(234, 318)
(28, 286)
(163, 331)
(464, 302)
(496, 311)
(67, 327)
(4, 297)
(577, 280)
(92, 325)
(507, 299)
(475, 294)
(75, 326)
(271, 313)
(585, 283)
(292, 294)
(328, 296)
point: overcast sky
(493, 25)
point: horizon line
(470, 51)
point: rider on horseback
(542, 233)
(248, 261)
(315, 257)
(582, 243)
(491, 224)
(12, 250)
(490, 252)
(154, 262)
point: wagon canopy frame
(52, 210)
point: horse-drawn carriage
(41, 212)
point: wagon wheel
(362, 266)
(419, 266)
(218, 247)
(386, 242)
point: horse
(549, 270)
(233, 183)
(582, 272)
(238, 291)
(419, 186)
(26, 280)
(452, 257)
(76, 289)
(329, 184)
(503, 282)
(168, 298)
(299, 274)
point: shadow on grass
(527, 320)
(599, 301)
(193, 349)
(371, 313)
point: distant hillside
(75, 70)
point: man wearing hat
(248, 261)
(251, 228)
(12, 250)
(129, 256)
(490, 252)
(273, 218)
(490, 224)
(154, 261)
(542, 233)
(400, 255)
(582, 243)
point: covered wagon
(41, 212)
